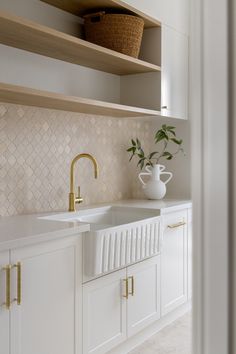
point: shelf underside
(23, 34)
(31, 97)
(81, 7)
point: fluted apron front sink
(118, 236)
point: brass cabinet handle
(126, 281)
(174, 226)
(132, 285)
(18, 283)
(8, 286)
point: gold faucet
(72, 198)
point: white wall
(32, 70)
(36, 10)
(174, 13)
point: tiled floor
(173, 339)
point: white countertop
(164, 205)
(22, 230)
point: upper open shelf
(24, 34)
(81, 7)
(38, 98)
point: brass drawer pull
(174, 226)
(8, 286)
(132, 285)
(126, 288)
(18, 283)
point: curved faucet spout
(72, 199)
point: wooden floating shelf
(81, 7)
(23, 34)
(32, 97)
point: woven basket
(119, 32)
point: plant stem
(164, 149)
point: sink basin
(118, 236)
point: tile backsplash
(36, 149)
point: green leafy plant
(164, 137)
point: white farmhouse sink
(118, 236)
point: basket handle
(95, 17)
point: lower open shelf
(32, 97)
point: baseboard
(148, 332)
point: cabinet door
(104, 313)
(190, 257)
(144, 304)
(4, 312)
(174, 90)
(44, 322)
(174, 261)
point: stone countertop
(22, 230)
(164, 205)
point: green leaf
(133, 142)
(138, 143)
(131, 149)
(169, 158)
(170, 128)
(160, 135)
(143, 158)
(152, 154)
(172, 132)
(166, 137)
(151, 164)
(141, 163)
(166, 153)
(131, 157)
(160, 138)
(176, 141)
(141, 151)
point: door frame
(232, 175)
(210, 178)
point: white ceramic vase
(155, 188)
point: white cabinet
(44, 299)
(174, 82)
(104, 313)
(4, 312)
(44, 322)
(174, 261)
(120, 304)
(190, 254)
(144, 305)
